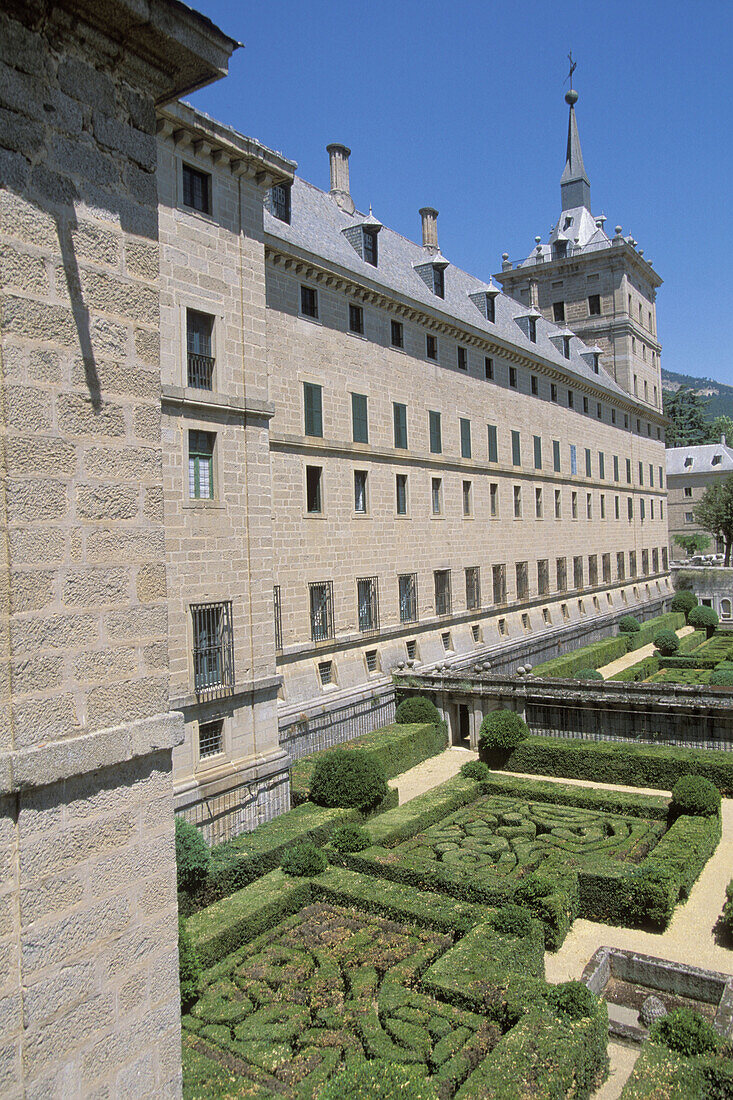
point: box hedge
(352, 780)
(661, 1073)
(598, 654)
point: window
(588, 463)
(411, 649)
(494, 499)
(517, 501)
(360, 491)
(200, 361)
(613, 416)
(553, 392)
(665, 562)
(661, 478)
(441, 578)
(641, 473)
(431, 346)
(359, 418)
(689, 517)
(532, 330)
(601, 466)
(630, 507)
(446, 640)
(566, 347)
(309, 302)
(502, 628)
(651, 508)
(490, 308)
(473, 587)
(543, 577)
(556, 455)
(534, 384)
(467, 498)
(594, 305)
(578, 572)
(688, 490)
(592, 570)
(370, 658)
(356, 319)
(574, 505)
(462, 358)
(438, 282)
(278, 618)
(596, 370)
(522, 580)
(537, 441)
(689, 460)
(538, 502)
(399, 416)
(632, 563)
(603, 506)
(211, 738)
(546, 617)
(280, 202)
(437, 495)
(312, 403)
(571, 399)
(313, 482)
(645, 563)
(465, 438)
(370, 246)
(516, 450)
(589, 505)
(558, 504)
(498, 583)
(213, 648)
(407, 586)
(325, 673)
(488, 369)
(397, 334)
(586, 406)
(573, 459)
(513, 377)
(626, 421)
(367, 597)
(615, 467)
(628, 471)
(561, 569)
(526, 623)
(655, 560)
(201, 465)
(558, 312)
(661, 509)
(564, 611)
(651, 475)
(436, 443)
(616, 507)
(196, 189)
(493, 445)
(401, 494)
(621, 565)
(476, 633)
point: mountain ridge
(718, 395)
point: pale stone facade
(690, 470)
(89, 997)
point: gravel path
(636, 655)
(432, 772)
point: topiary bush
(192, 856)
(721, 677)
(350, 837)
(627, 624)
(189, 970)
(683, 601)
(573, 1000)
(685, 1032)
(696, 796)
(348, 779)
(705, 618)
(502, 730)
(587, 674)
(378, 1080)
(667, 642)
(532, 888)
(304, 859)
(475, 769)
(512, 920)
(417, 709)
(726, 918)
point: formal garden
(356, 948)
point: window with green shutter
(400, 425)
(359, 422)
(436, 443)
(537, 452)
(201, 465)
(601, 465)
(312, 402)
(588, 464)
(465, 438)
(493, 446)
(516, 451)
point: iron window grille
(407, 585)
(367, 595)
(620, 565)
(561, 565)
(200, 365)
(498, 577)
(370, 657)
(325, 672)
(278, 619)
(211, 737)
(592, 570)
(473, 587)
(213, 649)
(522, 580)
(321, 610)
(201, 465)
(196, 189)
(543, 577)
(645, 562)
(632, 563)
(411, 649)
(578, 572)
(280, 202)
(442, 591)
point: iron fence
(310, 733)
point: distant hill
(719, 395)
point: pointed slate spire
(574, 182)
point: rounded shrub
(192, 856)
(417, 709)
(627, 624)
(502, 730)
(378, 1080)
(475, 769)
(303, 859)
(587, 674)
(721, 677)
(683, 601)
(189, 969)
(685, 1032)
(573, 1000)
(667, 642)
(694, 795)
(348, 778)
(512, 920)
(350, 837)
(704, 618)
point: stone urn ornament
(651, 1010)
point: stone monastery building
(373, 459)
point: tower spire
(574, 182)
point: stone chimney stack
(429, 228)
(339, 160)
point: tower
(600, 287)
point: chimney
(429, 228)
(723, 441)
(339, 160)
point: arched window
(726, 609)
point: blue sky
(460, 106)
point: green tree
(721, 426)
(693, 544)
(715, 513)
(686, 411)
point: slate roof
(702, 460)
(316, 227)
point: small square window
(196, 189)
(431, 346)
(411, 647)
(446, 640)
(397, 334)
(371, 659)
(309, 302)
(211, 738)
(356, 319)
(325, 672)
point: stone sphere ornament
(651, 1010)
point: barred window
(578, 572)
(543, 577)
(213, 648)
(592, 570)
(407, 584)
(211, 738)
(372, 660)
(473, 587)
(441, 579)
(522, 580)
(196, 189)
(280, 202)
(621, 565)
(632, 563)
(411, 649)
(561, 566)
(200, 361)
(498, 579)
(606, 563)
(321, 610)
(367, 595)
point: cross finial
(573, 67)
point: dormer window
(566, 346)
(438, 282)
(716, 460)
(532, 329)
(280, 202)
(559, 250)
(596, 362)
(369, 245)
(491, 308)
(689, 460)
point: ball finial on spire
(571, 97)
